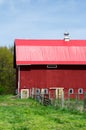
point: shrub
(1, 90)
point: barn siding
(47, 78)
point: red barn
(48, 65)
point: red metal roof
(50, 52)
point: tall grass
(27, 114)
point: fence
(64, 101)
(69, 102)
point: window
(80, 91)
(44, 91)
(51, 66)
(71, 91)
(24, 93)
(37, 91)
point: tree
(7, 73)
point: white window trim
(79, 90)
(43, 91)
(27, 93)
(72, 90)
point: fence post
(76, 100)
(42, 98)
(62, 99)
(68, 99)
(85, 101)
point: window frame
(43, 90)
(37, 91)
(70, 90)
(26, 91)
(52, 66)
(79, 90)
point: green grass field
(27, 114)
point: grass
(27, 114)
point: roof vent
(66, 36)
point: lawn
(27, 114)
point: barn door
(59, 93)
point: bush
(1, 90)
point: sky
(41, 19)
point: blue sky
(41, 19)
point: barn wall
(46, 78)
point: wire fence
(57, 98)
(63, 101)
